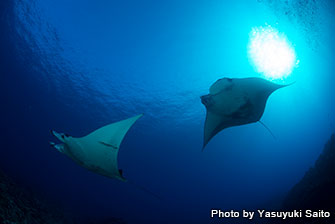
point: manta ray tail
(144, 189)
(268, 129)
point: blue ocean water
(76, 66)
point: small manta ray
(98, 150)
(233, 102)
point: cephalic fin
(59, 147)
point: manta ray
(98, 150)
(233, 102)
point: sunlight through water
(271, 53)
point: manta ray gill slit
(271, 52)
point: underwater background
(74, 66)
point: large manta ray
(98, 150)
(233, 102)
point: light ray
(271, 53)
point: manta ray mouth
(206, 100)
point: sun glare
(271, 52)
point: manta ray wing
(98, 150)
(213, 125)
(112, 134)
